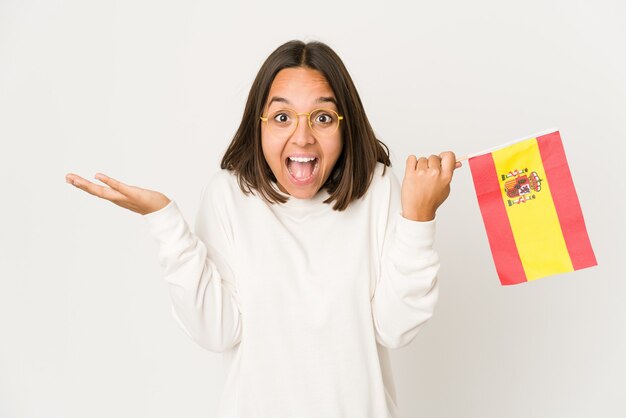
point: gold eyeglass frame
(308, 117)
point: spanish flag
(530, 209)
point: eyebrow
(323, 99)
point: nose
(303, 134)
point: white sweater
(303, 301)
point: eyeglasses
(283, 122)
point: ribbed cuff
(415, 236)
(165, 223)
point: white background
(151, 93)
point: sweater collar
(294, 202)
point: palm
(136, 199)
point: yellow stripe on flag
(535, 224)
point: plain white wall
(151, 92)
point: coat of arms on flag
(530, 209)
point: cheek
(271, 151)
(335, 147)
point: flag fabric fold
(530, 209)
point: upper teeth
(302, 159)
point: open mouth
(302, 169)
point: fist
(426, 184)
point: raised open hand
(136, 199)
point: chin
(302, 192)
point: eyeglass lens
(283, 122)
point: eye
(281, 117)
(324, 118)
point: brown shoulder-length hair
(353, 171)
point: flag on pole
(530, 209)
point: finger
(434, 162)
(448, 154)
(69, 178)
(411, 162)
(422, 163)
(95, 189)
(448, 161)
(74, 179)
(114, 184)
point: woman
(309, 260)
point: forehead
(300, 85)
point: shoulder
(220, 192)
(381, 170)
(222, 178)
(383, 179)
(220, 183)
(384, 192)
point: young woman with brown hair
(308, 259)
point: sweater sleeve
(201, 284)
(407, 288)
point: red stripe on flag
(501, 241)
(566, 201)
